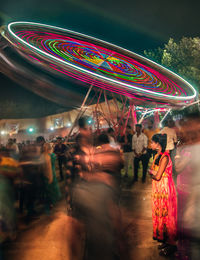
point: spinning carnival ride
(60, 65)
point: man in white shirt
(171, 135)
(139, 147)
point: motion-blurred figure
(9, 169)
(60, 150)
(13, 148)
(32, 185)
(96, 197)
(112, 138)
(183, 166)
(191, 214)
(52, 190)
(168, 129)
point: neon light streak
(95, 61)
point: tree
(182, 57)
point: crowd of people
(90, 169)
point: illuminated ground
(59, 236)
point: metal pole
(80, 112)
(165, 116)
(143, 116)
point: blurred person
(168, 129)
(13, 148)
(83, 126)
(32, 183)
(126, 143)
(108, 159)
(164, 201)
(112, 139)
(52, 190)
(40, 141)
(180, 132)
(60, 150)
(9, 143)
(20, 146)
(150, 131)
(111, 135)
(191, 212)
(9, 169)
(139, 147)
(76, 164)
(96, 197)
(70, 175)
(183, 166)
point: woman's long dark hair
(162, 140)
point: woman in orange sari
(164, 200)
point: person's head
(111, 132)
(103, 139)
(138, 128)
(159, 141)
(59, 140)
(171, 123)
(82, 122)
(10, 141)
(128, 129)
(191, 128)
(40, 140)
(150, 124)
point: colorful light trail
(96, 62)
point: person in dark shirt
(126, 142)
(60, 150)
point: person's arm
(163, 164)
(133, 145)
(145, 140)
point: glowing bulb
(69, 124)
(3, 132)
(51, 128)
(31, 129)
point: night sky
(136, 25)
